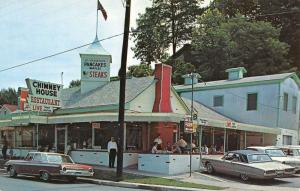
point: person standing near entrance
(112, 149)
(4, 149)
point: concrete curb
(137, 186)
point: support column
(263, 139)
(224, 144)
(213, 136)
(37, 136)
(245, 139)
(55, 137)
(93, 137)
(66, 137)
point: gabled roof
(205, 112)
(11, 108)
(105, 95)
(246, 81)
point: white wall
(167, 163)
(101, 158)
(235, 103)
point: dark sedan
(47, 166)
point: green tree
(8, 96)
(225, 43)
(141, 70)
(284, 14)
(168, 23)
(74, 83)
(179, 69)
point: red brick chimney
(162, 101)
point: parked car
(47, 166)
(247, 164)
(278, 155)
(291, 150)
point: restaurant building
(81, 120)
(84, 118)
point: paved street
(291, 183)
(34, 184)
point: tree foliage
(141, 70)
(74, 83)
(284, 14)
(8, 96)
(168, 23)
(233, 42)
(179, 69)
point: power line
(58, 53)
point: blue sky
(33, 28)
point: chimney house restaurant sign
(43, 96)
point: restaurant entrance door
(61, 139)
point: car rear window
(275, 152)
(59, 159)
(259, 158)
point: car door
(238, 164)
(227, 164)
(36, 164)
(24, 167)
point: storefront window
(24, 136)
(46, 137)
(103, 133)
(133, 137)
(80, 136)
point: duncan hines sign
(43, 96)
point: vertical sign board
(188, 125)
(43, 96)
(95, 68)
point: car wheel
(244, 177)
(210, 168)
(45, 176)
(12, 172)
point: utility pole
(122, 76)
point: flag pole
(97, 21)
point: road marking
(209, 176)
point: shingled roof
(205, 112)
(105, 95)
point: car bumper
(76, 173)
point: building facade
(270, 101)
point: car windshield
(259, 158)
(275, 153)
(59, 159)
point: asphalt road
(225, 180)
(34, 184)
